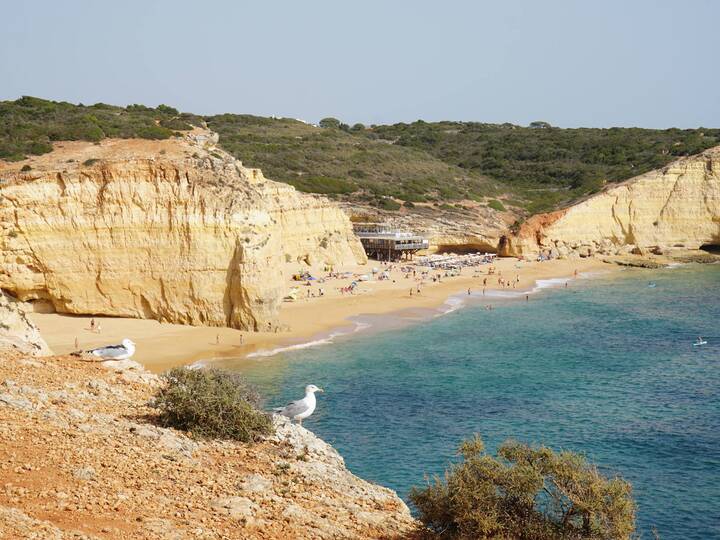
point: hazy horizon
(568, 63)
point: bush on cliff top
(211, 403)
(29, 125)
(527, 494)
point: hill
(439, 166)
(546, 166)
(345, 165)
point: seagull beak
(321, 390)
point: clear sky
(572, 63)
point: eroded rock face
(91, 431)
(17, 332)
(174, 230)
(677, 207)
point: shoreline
(314, 320)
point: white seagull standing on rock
(299, 410)
(113, 352)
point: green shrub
(89, 162)
(323, 185)
(330, 122)
(26, 168)
(496, 205)
(211, 404)
(388, 204)
(525, 494)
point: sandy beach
(160, 345)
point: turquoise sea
(605, 367)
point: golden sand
(160, 345)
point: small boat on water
(699, 341)
(652, 285)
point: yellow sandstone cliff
(173, 230)
(676, 207)
(17, 331)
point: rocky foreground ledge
(81, 458)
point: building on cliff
(386, 244)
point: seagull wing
(110, 351)
(292, 409)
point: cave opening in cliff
(463, 249)
(711, 248)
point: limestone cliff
(677, 207)
(17, 332)
(173, 230)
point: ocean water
(605, 367)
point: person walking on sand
(242, 339)
(92, 324)
(97, 328)
(77, 344)
(527, 297)
(217, 339)
(468, 291)
(411, 292)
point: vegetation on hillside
(29, 125)
(525, 493)
(544, 165)
(537, 168)
(211, 403)
(339, 163)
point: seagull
(299, 410)
(113, 352)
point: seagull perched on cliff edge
(112, 352)
(299, 410)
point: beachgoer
(92, 324)
(77, 345)
(468, 292)
(566, 284)
(242, 339)
(527, 297)
(97, 328)
(217, 339)
(411, 293)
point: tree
(330, 122)
(539, 125)
(358, 127)
(525, 493)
